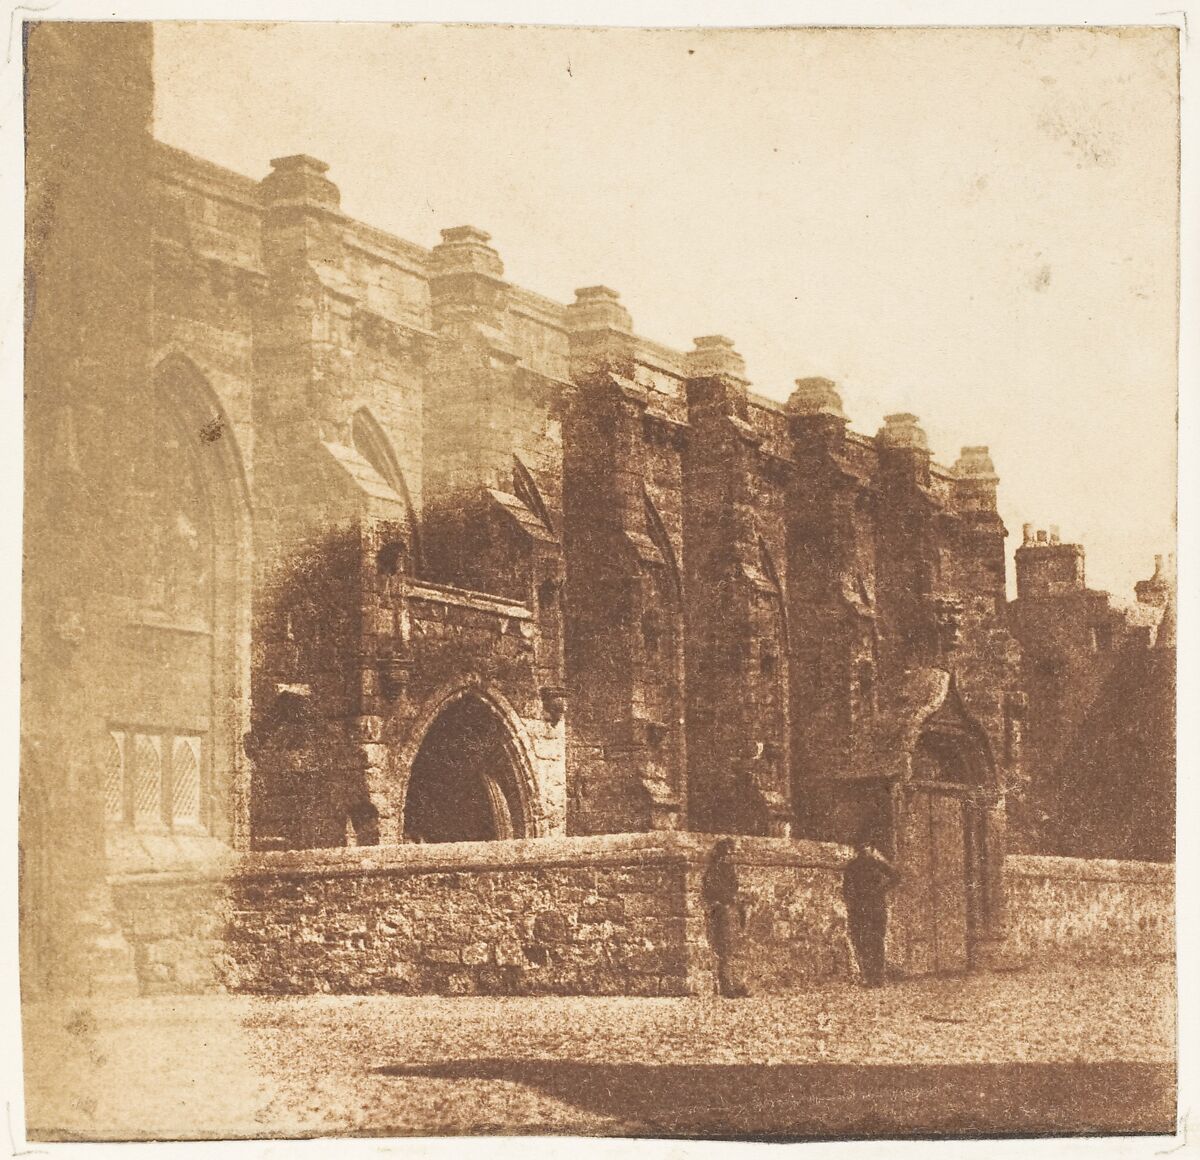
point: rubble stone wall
(1088, 908)
(526, 917)
(613, 914)
(790, 916)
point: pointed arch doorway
(466, 781)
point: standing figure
(727, 919)
(866, 880)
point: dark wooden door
(928, 932)
(949, 882)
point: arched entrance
(465, 783)
(937, 910)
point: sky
(975, 225)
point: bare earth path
(1014, 1054)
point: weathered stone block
(509, 953)
(594, 910)
(644, 905)
(550, 926)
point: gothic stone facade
(335, 540)
(1101, 724)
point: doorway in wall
(464, 781)
(936, 908)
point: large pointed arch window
(372, 444)
(169, 689)
(167, 527)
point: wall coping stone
(1088, 869)
(659, 848)
(654, 848)
(664, 848)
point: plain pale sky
(975, 225)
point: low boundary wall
(621, 914)
(1087, 908)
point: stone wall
(175, 924)
(612, 914)
(526, 917)
(1088, 908)
(792, 921)
(616, 914)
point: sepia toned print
(394, 632)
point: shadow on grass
(813, 1101)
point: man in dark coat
(727, 919)
(866, 880)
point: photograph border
(649, 13)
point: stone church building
(466, 639)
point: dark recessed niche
(390, 558)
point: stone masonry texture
(620, 914)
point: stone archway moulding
(517, 741)
(939, 697)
